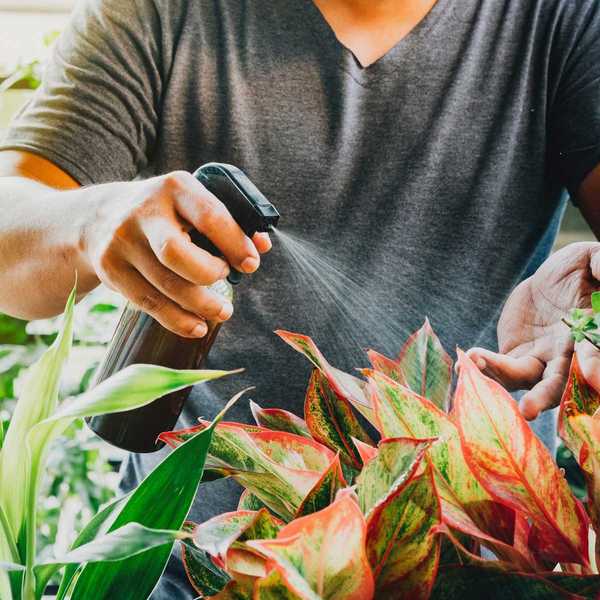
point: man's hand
(138, 244)
(535, 345)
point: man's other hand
(535, 345)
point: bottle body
(140, 339)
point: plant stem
(29, 592)
(10, 540)
(585, 335)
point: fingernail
(250, 264)
(200, 330)
(226, 311)
(225, 271)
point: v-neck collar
(346, 59)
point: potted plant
(124, 548)
(329, 512)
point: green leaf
(129, 540)
(325, 490)
(331, 420)
(596, 302)
(103, 308)
(99, 525)
(38, 401)
(7, 566)
(395, 463)
(161, 501)
(426, 366)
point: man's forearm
(41, 246)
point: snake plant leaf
(161, 501)
(38, 400)
(325, 490)
(278, 468)
(331, 420)
(322, 555)
(426, 367)
(129, 540)
(516, 468)
(400, 412)
(395, 463)
(345, 385)
(579, 427)
(495, 584)
(402, 544)
(279, 420)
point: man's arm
(132, 236)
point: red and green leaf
(325, 490)
(274, 587)
(331, 420)
(579, 427)
(402, 545)
(345, 385)
(389, 367)
(394, 464)
(426, 367)
(400, 412)
(366, 451)
(322, 555)
(496, 584)
(279, 420)
(515, 467)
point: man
(425, 144)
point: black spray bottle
(139, 339)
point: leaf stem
(585, 335)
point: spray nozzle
(246, 203)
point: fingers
(157, 305)
(193, 298)
(514, 373)
(174, 250)
(262, 242)
(209, 216)
(548, 392)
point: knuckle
(171, 283)
(214, 215)
(178, 180)
(152, 302)
(169, 251)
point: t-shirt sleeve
(95, 114)
(574, 103)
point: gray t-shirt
(434, 176)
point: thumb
(514, 373)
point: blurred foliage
(28, 75)
(573, 473)
(81, 477)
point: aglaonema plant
(330, 513)
(124, 549)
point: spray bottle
(140, 339)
